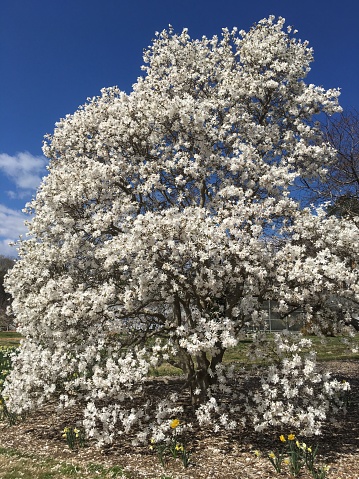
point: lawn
(15, 465)
(327, 348)
(9, 338)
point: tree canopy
(166, 220)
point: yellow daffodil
(291, 437)
(282, 438)
(179, 447)
(174, 423)
(271, 455)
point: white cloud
(6, 249)
(24, 170)
(11, 227)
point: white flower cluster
(293, 394)
(166, 220)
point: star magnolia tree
(166, 220)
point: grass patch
(165, 369)
(9, 338)
(335, 348)
(328, 349)
(15, 464)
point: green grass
(9, 338)
(328, 349)
(333, 348)
(15, 465)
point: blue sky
(55, 54)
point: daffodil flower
(174, 423)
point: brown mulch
(217, 456)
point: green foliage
(74, 437)
(296, 456)
(175, 446)
(277, 460)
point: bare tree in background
(5, 265)
(341, 186)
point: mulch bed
(217, 456)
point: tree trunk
(204, 375)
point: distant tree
(5, 320)
(345, 206)
(340, 185)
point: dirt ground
(215, 456)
